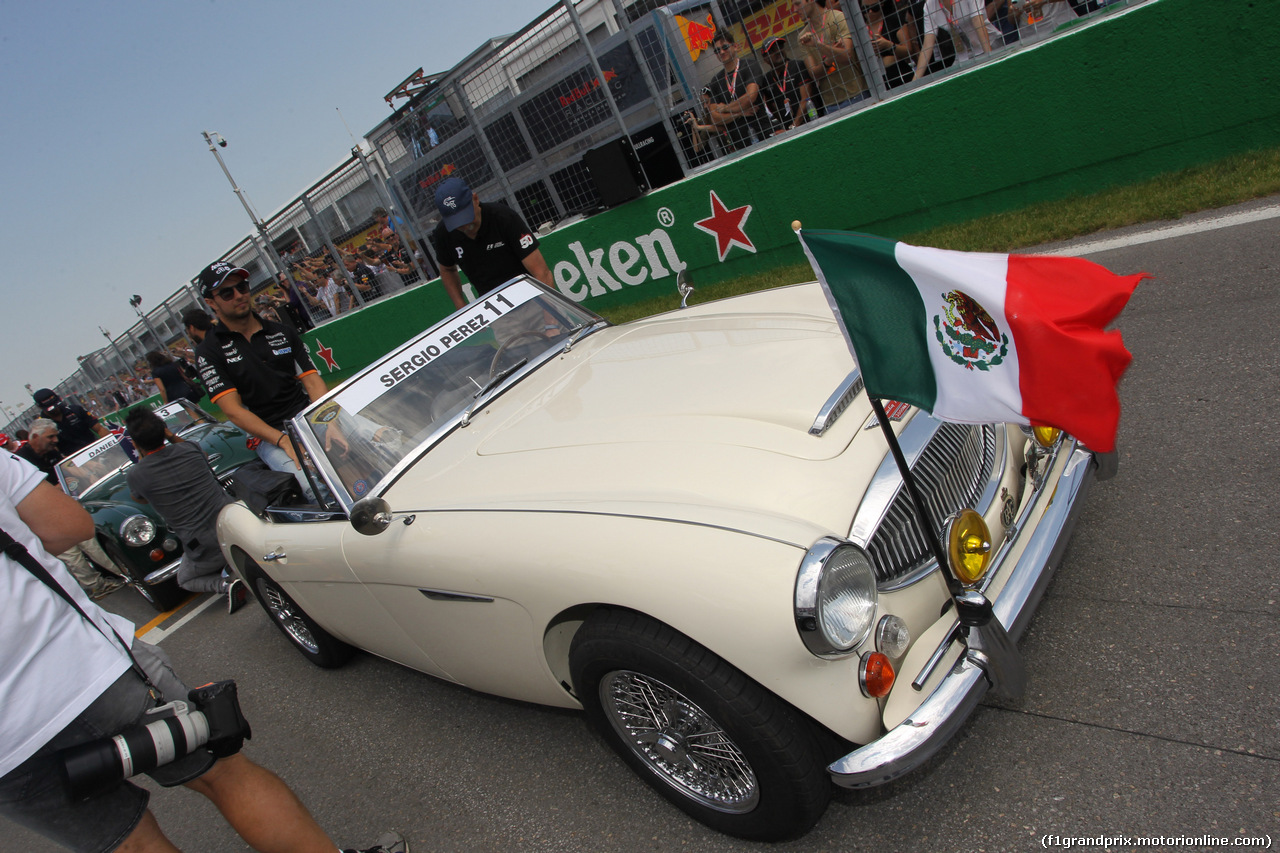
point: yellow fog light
(1046, 436)
(968, 545)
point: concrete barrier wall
(1115, 99)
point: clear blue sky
(107, 188)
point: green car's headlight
(835, 603)
(137, 530)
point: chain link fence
(587, 106)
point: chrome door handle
(277, 554)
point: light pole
(215, 141)
(134, 303)
(124, 361)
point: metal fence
(588, 105)
(522, 119)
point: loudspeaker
(615, 171)
(653, 147)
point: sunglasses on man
(227, 293)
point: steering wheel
(497, 356)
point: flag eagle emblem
(968, 335)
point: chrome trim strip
(887, 482)
(443, 595)
(303, 514)
(637, 516)
(936, 658)
(839, 400)
(163, 573)
(940, 716)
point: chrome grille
(951, 473)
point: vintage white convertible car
(689, 526)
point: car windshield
(180, 417)
(84, 469)
(422, 389)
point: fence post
(333, 253)
(604, 87)
(381, 188)
(483, 141)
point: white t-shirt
(1053, 14)
(959, 21)
(328, 294)
(53, 663)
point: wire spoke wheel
(679, 741)
(292, 620)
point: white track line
(155, 635)
(1212, 223)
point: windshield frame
(318, 460)
(85, 454)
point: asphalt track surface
(1153, 662)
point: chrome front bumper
(162, 574)
(989, 653)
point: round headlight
(835, 604)
(137, 530)
(968, 545)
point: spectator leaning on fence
(829, 54)
(735, 96)
(787, 88)
(488, 240)
(965, 20)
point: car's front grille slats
(951, 474)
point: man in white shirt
(66, 678)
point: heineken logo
(968, 335)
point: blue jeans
(277, 460)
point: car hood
(698, 416)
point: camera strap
(18, 552)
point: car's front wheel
(706, 737)
(316, 644)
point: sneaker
(108, 586)
(237, 595)
(388, 842)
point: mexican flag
(977, 337)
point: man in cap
(488, 240)
(256, 370)
(788, 88)
(77, 428)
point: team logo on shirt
(526, 241)
(971, 335)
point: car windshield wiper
(493, 382)
(578, 332)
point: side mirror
(684, 286)
(370, 516)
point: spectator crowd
(762, 90)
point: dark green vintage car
(134, 534)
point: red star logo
(727, 226)
(327, 354)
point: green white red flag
(978, 337)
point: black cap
(212, 277)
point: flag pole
(984, 635)
(909, 483)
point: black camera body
(210, 718)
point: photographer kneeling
(71, 674)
